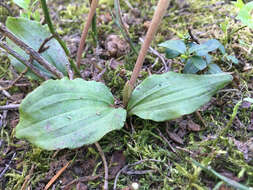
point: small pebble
(135, 186)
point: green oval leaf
(245, 14)
(171, 95)
(22, 3)
(214, 44)
(200, 49)
(208, 46)
(190, 68)
(68, 114)
(170, 54)
(199, 62)
(176, 45)
(34, 34)
(232, 59)
(214, 69)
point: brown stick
(16, 80)
(82, 179)
(124, 169)
(10, 107)
(24, 61)
(42, 47)
(34, 54)
(57, 175)
(192, 36)
(7, 166)
(27, 178)
(159, 13)
(93, 7)
(105, 165)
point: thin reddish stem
(159, 13)
(93, 7)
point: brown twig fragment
(10, 107)
(93, 7)
(4, 92)
(24, 61)
(166, 140)
(156, 53)
(70, 72)
(192, 36)
(82, 179)
(30, 51)
(159, 13)
(16, 80)
(7, 166)
(124, 169)
(105, 165)
(27, 178)
(42, 47)
(56, 176)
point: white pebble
(135, 186)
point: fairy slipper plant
(70, 113)
(66, 113)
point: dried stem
(156, 53)
(105, 165)
(30, 51)
(159, 13)
(43, 46)
(57, 175)
(82, 179)
(16, 80)
(9, 107)
(22, 60)
(93, 7)
(192, 36)
(124, 169)
(27, 178)
(7, 166)
(5, 93)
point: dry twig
(30, 51)
(166, 140)
(105, 165)
(7, 166)
(82, 179)
(124, 169)
(56, 176)
(156, 53)
(10, 107)
(16, 80)
(42, 47)
(27, 178)
(4, 92)
(192, 36)
(24, 61)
